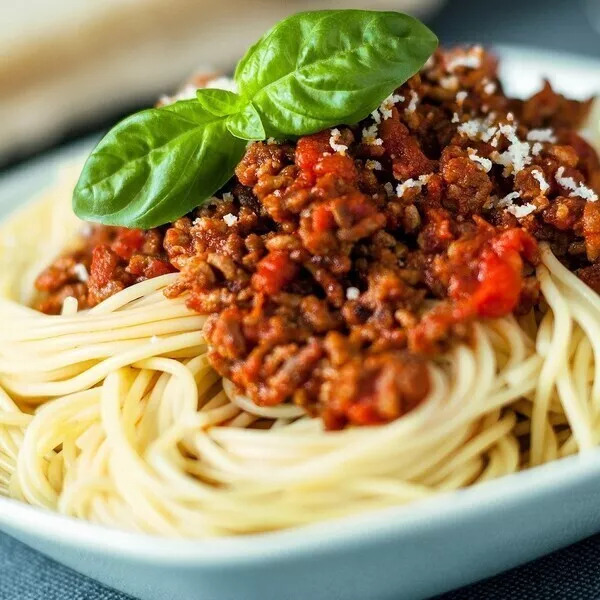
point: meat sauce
(333, 268)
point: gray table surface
(572, 573)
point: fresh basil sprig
(311, 71)
(318, 69)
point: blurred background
(71, 68)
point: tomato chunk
(338, 165)
(128, 242)
(322, 219)
(273, 272)
(310, 149)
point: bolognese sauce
(334, 267)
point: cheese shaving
(539, 177)
(541, 135)
(485, 163)
(469, 60)
(449, 83)
(412, 183)
(521, 211)
(386, 106)
(517, 156)
(575, 189)
(507, 200)
(221, 83)
(489, 88)
(369, 136)
(333, 142)
(414, 100)
(230, 219)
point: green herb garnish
(311, 71)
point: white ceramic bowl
(408, 552)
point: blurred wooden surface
(68, 63)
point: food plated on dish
(365, 277)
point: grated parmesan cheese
(386, 106)
(369, 136)
(228, 197)
(515, 209)
(479, 129)
(536, 149)
(461, 97)
(486, 163)
(221, 83)
(489, 88)
(507, 200)
(373, 165)
(470, 128)
(575, 189)
(539, 177)
(449, 83)
(521, 211)
(455, 118)
(187, 92)
(469, 60)
(81, 272)
(376, 116)
(412, 183)
(414, 100)
(541, 135)
(352, 293)
(389, 189)
(230, 219)
(517, 156)
(333, 142)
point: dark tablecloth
(569, 574)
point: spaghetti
(116, 415)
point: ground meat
(331, 275)
(107, 260)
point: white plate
(409, 552)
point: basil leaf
(318, 69)
(157, 165)
(219, 102)
(247, 124)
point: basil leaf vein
(247, 124)
(220, 103)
